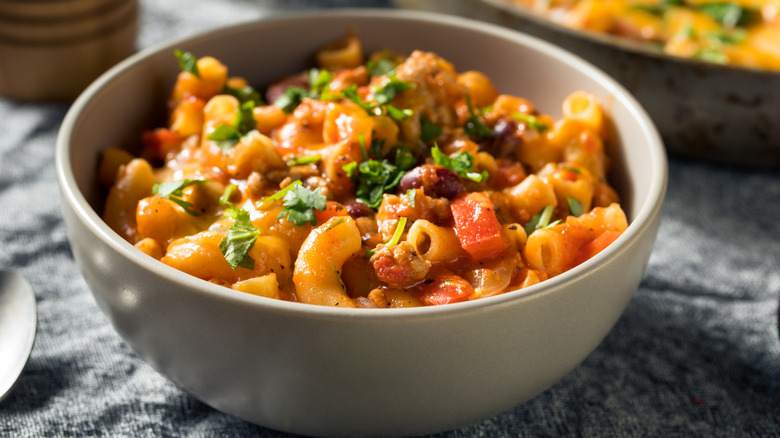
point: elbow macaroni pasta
(392, 182)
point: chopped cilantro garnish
(429, 130)
(336, 224)
(350, 168)
(396, 113)
(572, 169)
(532, 122)
(735, 36)
(291, 98)
(308, 159)
(239, 239)
(319, 81)
(225, 136)
(540, 220)
(351, 93)
(399, 230)
(374, 179)
(380, 67)
(300, 203)
(338, 274)
(376, 147)
(225, 198)
(712, 55)
(280, 194)
(188, 62)
(729, 14)
(244, 94)
(174, 191)
(461, 163)
(474, 126)
(404, 159)
(575, 206)
(383, 95)
(245, 119)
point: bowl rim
(649, 209)
(620, 43)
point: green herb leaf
(385, 93)
(412, 195)
(531, 121)
(734, 36)
(351, 93)
(398, 114)
(474, 125)
(374, 179)
(245, 119)
(308, 159)
(404, 160)
(429, 130)
(338, 274)
(244, 94)
(710, 54)
(336, 223)
(239, 239)
(350, 169)
(225, 136)
(540, 220)
(729, 14)
(572, 169)
(174, 191)
(376, 147)
(187, 62)
(281, 193)
(461, 163)
(291, 98)
(399, 230)
(380, 67)
(319, 82)
(300, 203)
(225, 198)
(575, 206)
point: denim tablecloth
(696, 352)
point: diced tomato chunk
(332, 209)
(478, 228)
(596, 245)
(445, 288)
(159, 142)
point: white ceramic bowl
(333, 372)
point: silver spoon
(18, 320)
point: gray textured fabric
(695, 354)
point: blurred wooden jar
(53, 49)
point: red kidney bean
(505, 143)
(437, 181)
(357, 209)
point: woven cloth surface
(696, 352)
